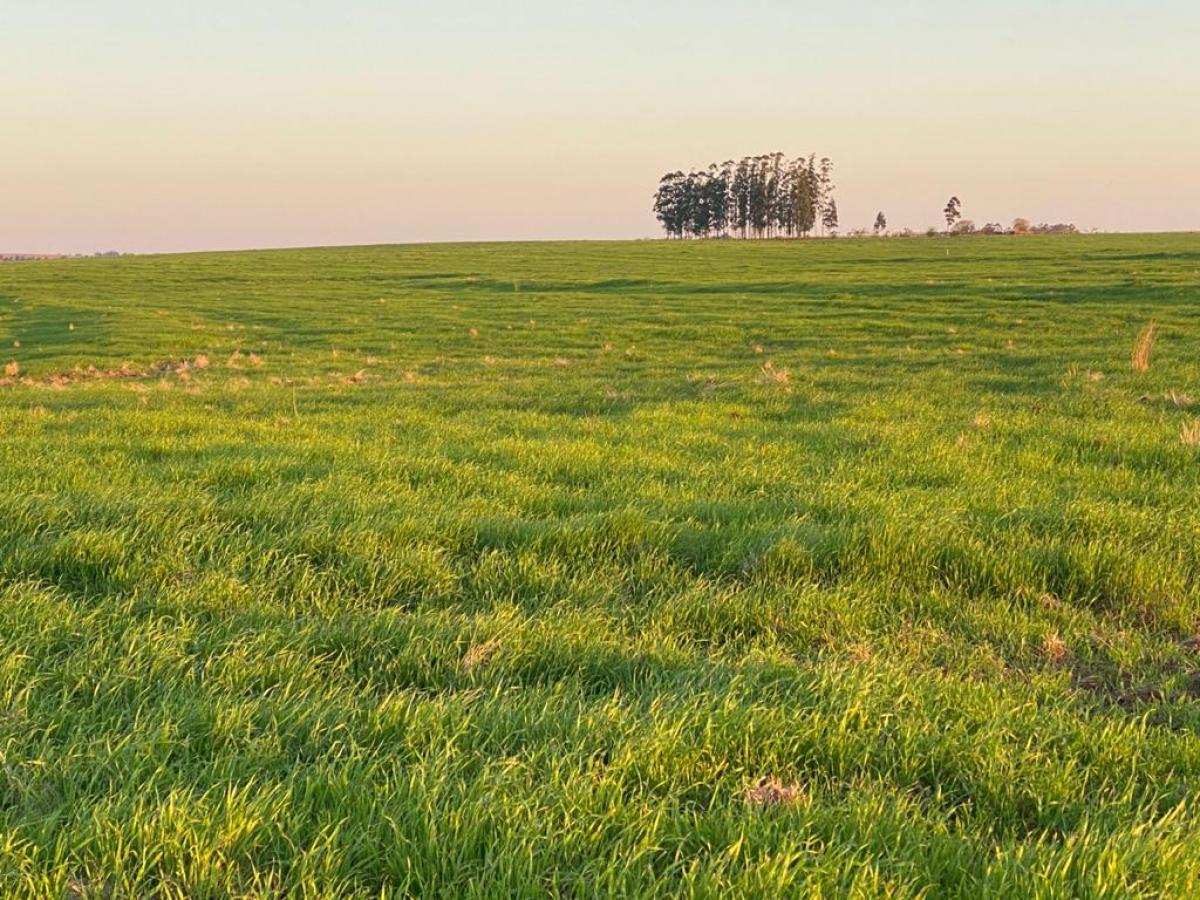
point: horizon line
(51, 256)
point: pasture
(830, 568)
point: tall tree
(697, 206)
(952, 212)
(804, 196)
(669, 203)
(880, 222)
(829, 218)
(823, 172)
(758, 196)
(740, 198)
(718, 198)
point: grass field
(856, 568)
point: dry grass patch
(771, 791)
(1055, 649)
(1050, 601)
(479, 655)
(1190, 433)
(1143, 347)
(83, 889)
(768, 374)
(860, 652)
(126, 370)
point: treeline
(956, 224)
(758, 197)
(967, 227)
(1019, 226)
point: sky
(159, 126)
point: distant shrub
(1023, 226)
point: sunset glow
(144, 126)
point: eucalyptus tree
(669, 203)
(952, 212)
(823, 172)
(760, 196)
(829, 218)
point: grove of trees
(758, 197)
(772, 196)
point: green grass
(528, 606)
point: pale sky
(169, 125)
